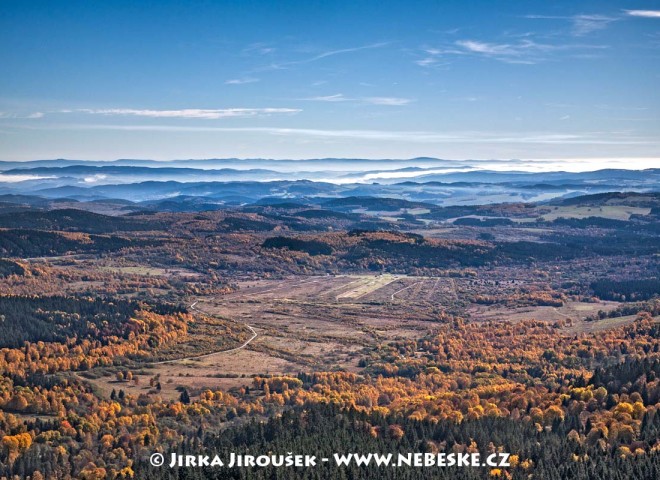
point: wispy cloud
(422, 137)
(432, 56)
(523, 52)
(489, 48)
(322, 55)
(524, 48)
(643, 13)
(331, 53)
(585, 24)
(426, 62)
(259, 48)
(209, 114)
(241, 81)
(582, 24)
(340, 97)
(33, 115)
(388, 101)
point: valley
(208, 321)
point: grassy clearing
(614, 212)
(605, 324)
(365, 285)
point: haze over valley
(221, 183)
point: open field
(148, 271)
(347, 289)
(302, 323)
(576, 311)
(329, 322)
(604, 324)
(614, 212)
(366, 285)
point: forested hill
(76, 220)
(324, 430)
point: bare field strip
(348, 289)
(365, 285)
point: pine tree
(185, 397)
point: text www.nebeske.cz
(348, 459)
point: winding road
(196, 357)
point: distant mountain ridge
(217, 183)
(125, 169)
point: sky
(564, 81)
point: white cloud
(523, 52)
(20, 178)
(432, 56)
(415, 136)
(260, 48)
(487, 48)
(95, 178)
(33, 115)
(582, 24)
(585, 24)
(241, 81)
(339, 97)
(329, 53)
(388, 101)
(413, 174)
(643, 13)
(426, 62)
(209, 114)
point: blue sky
(452, 79)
